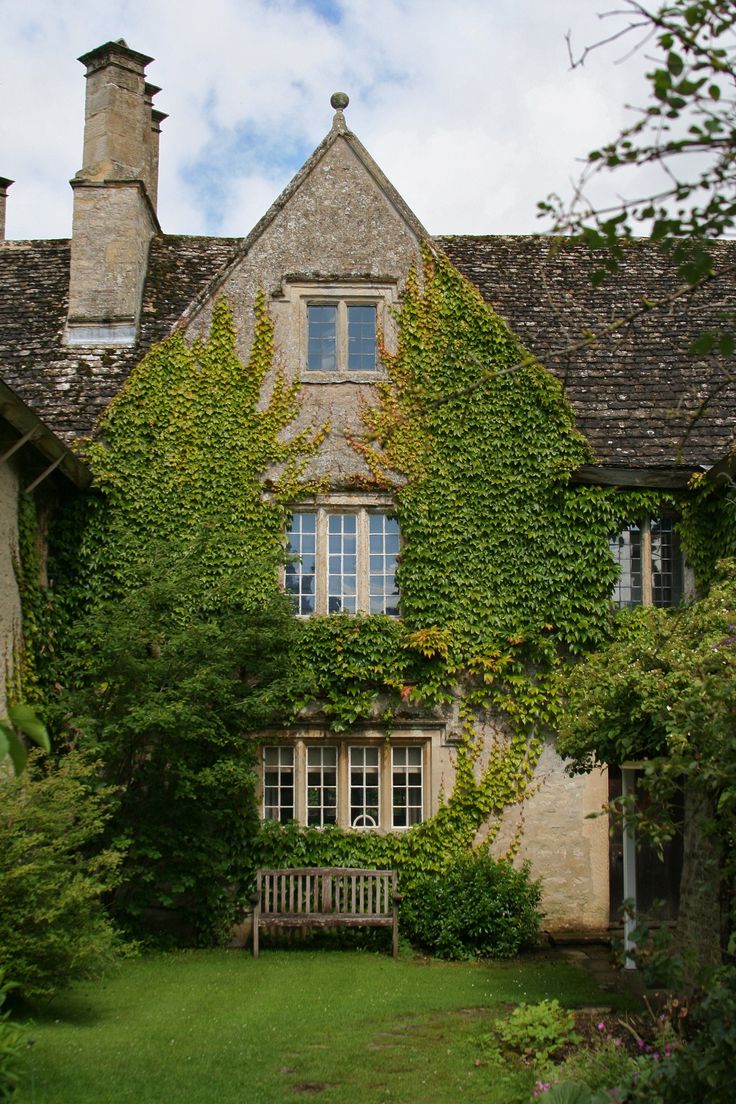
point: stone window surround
(423, 738)
(298, 293)
(358, 503)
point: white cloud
(468, 106)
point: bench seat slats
(322, 897)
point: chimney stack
(4, 185)
(114, 198)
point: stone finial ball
(339, 100)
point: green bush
(537, 1031)
(164, 686)
(601, 1064)
(479, 906)
(12, 1044)
(53, 927)
(703, 1069)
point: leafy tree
(687, 130)
(171, 678)
(664, 692)
(22, 721)
(53, 876)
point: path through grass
(337, 1027)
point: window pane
(342, 578)
(322, 337)
(300, 572)
(321, 786)
(383, 539)
(361, 338)
(626, 551)
(364, 783)
(406, 772)
(278, 784)
(667, 583)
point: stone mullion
(647, 597)
(343, 785)
(322, 562)
(300, 782)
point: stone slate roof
(634, 394)
(70, 387)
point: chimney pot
(4, 185)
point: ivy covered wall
(505, 571)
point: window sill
(343, 377)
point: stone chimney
(114, 198)
(4, 185)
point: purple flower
(601, 1026)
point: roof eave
(43, 439)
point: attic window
(651, 565)
(341, 336)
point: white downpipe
(628, 788)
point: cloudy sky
(469, 106)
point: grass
(215, 1027)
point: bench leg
(395, 937)
(255, 932)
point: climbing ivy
(505, 571)
(708, 526)
(36, 622)
(187, 445)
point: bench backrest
(337, 890)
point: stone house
(332, 254)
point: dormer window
(341, 336)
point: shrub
(53, 927)
(703, 1069)
(479, 906)
(164, 686)
(537, 1031)
(12, 1044)
(605, 1062)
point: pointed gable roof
(339, 132)
(634, 396)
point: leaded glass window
(321, 786)
(361, 338)
(301, 569)
(383, 549)
(406, 779)
(626, 549)
(342, 563)
(278, 783)
(322, 337)
(364, 787)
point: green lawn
(340, 1027)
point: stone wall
(568, 851)
(338, 229)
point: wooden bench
(326, 897)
